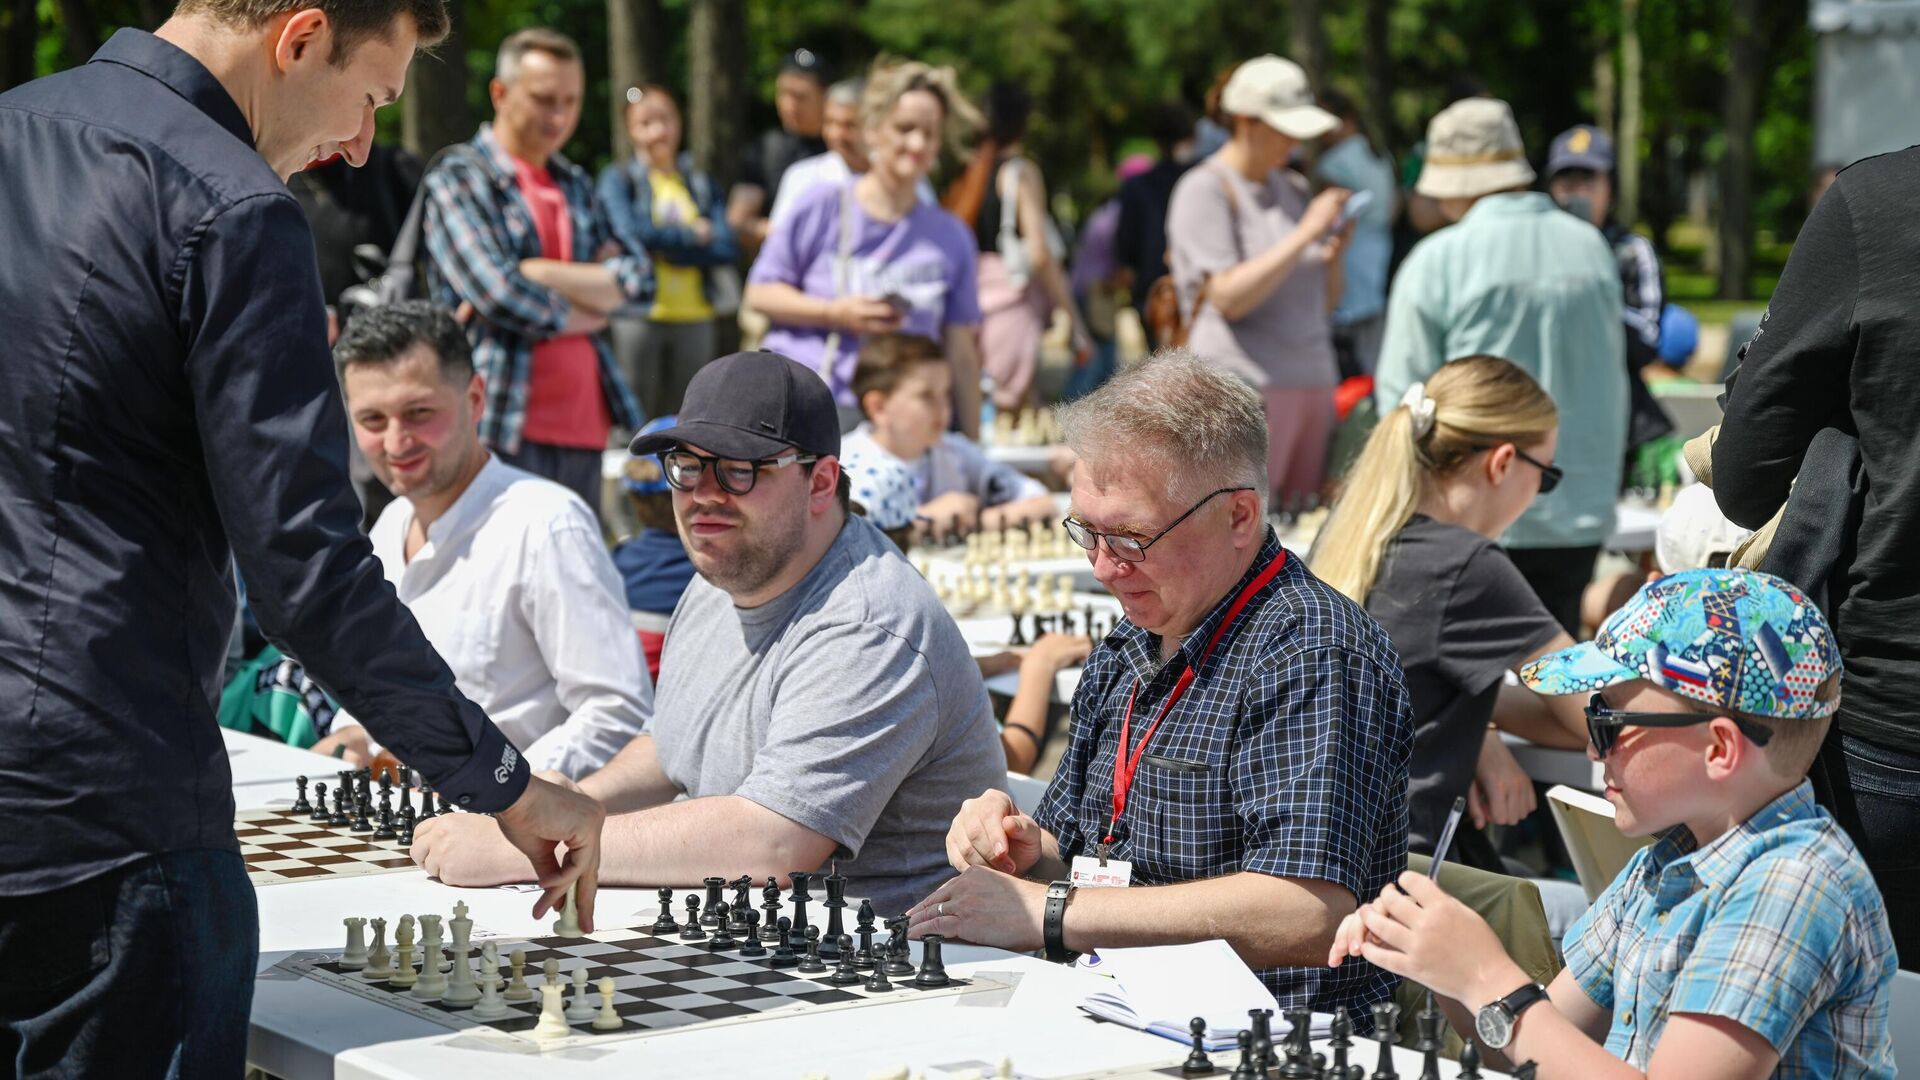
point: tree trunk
(82, 33)
(434, 108)
(637, 36)
(1376, 61)
(17, 44)
(1632, 114)
(717, 109)
(1307, 40)
(1735, 240)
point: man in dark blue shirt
(170, 400)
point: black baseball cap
(752, 405)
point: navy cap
(752, 405)
(1583, 147)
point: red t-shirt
(565, 404)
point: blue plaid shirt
(478, 228)
(1287, 756)
(1776, 925)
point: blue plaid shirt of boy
(1776, 925)
(1287, 756)
(478, 228)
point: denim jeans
(143, 971)
(1874, 792)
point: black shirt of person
(1460, 616)
(770, 156)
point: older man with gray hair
(1239, 742)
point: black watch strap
(1518, 1001)
(1053, 929)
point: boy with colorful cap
(1748, 940)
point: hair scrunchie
(1420, 408)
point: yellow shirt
(679, 291)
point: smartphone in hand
(1356, 204)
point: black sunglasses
(1550, 475)
(1126, 548)
(1604, 724)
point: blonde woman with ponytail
(1414, 539)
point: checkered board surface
(280, 846)
(659, 984)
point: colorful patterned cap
(1732, 639)
(882, 485)
(644, 476)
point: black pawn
(1469, 1062)
(690, 930)
(339, 816)
(800, 896)
(723, 939)
(709, 911)
(878, 983)
(811, 964)
(360, 822)
(1197, 1063)
(1245, 1070)
(320, 809)
(770, 903)
(836, 903)
(783, 955)
(300, 803)
(933, 969)
(899, 960)
(1386, 1031)
(386, 830)
(846, 974)
(750, 946)
(666, 923)
(405, 839)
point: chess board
(280, 846)
(659, 984)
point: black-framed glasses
(682, 469)
(1604, 724)
(1550, 475)
(1126, 548)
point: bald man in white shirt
(506, 572)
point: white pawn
(1005, 1071)
(379, 960)
(579, 1010)
(568, 925)
(606, 1019)
(355, 957)
(553, 1022)
(491, 1006)
(433, 981)
(517, 989)
(403, 975)
(551, 971)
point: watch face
(1493, 1025)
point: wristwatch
(1494, 1023)
(1054, 928)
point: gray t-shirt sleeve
(833, 758)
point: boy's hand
(952, 514)
(1350, 937)
(1056, 651)
(1418, 932)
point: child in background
(653, 563)
(905, 389)
(1750, 939)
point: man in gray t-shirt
(815, 705)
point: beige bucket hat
(1473, 149)
(1274, 90)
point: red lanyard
(1124, 764)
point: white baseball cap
(1274, 91)
(1694, 534)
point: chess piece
(1469, 1062)
(836, 903)
(1262, 1027)
(709, 911)
(427, 809)
(800, 896)
(846, 974)
(360, 821)
(1342, 1041)
(606, 1019)
(379, 961)
(723, 939)
(405, 835)
(300, 803)
(461, 989)
(403, 976)
(568, 925)
(933, 969)
(741, 886)
(878, 983)
(1197, 1063)
(666, 923)
(517, 990)
(1386, 1030)
(385, 831)
(1429, 1045)
(1245, 1069)
(899, 959)
(338, 818)
(433, 982)
(355, 956)
(491, 1005)
(811, 964)
(553, 1022)
(580, 1010)
(406, 794)
(550, 971)
(1299, 1063)
(770, 903)
(783, 955)
(1525, 1071)
(864, 959)
(750, 947)
(320, 814)
(1018, 639)
(690, 930)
